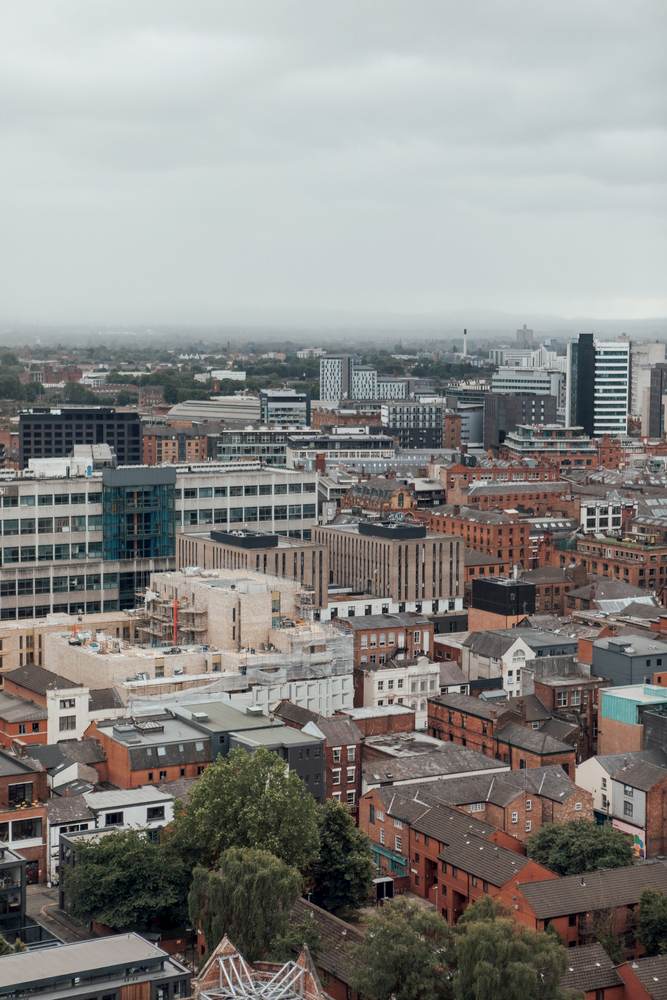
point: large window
(20, 793)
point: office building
(87, 544)
(653, 420)
(504, 412)
(285, 407)
(398, 561)
(415, 424)
(534, 380)
(598, 385)
(336, 377)
(267, 445)
(352, 446)
(53, 433)
(643, 359)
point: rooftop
(38, 680)
(282, 736)
(589, 968)
(643, 694)
(17, 710)
(599, 890)
(652, 974)
(448, 760)
(484, 859)
(219, 715)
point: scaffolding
(239, 982)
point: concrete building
(604, 366)
(347, 445)
(267, 445)
(415, 423)
(567, 447)
(52, 433)
(336, 377)
(533, 380)
(644, 358)
(228, 409)
(304, 562)
(504, 412)
(628, 659)
(393, 560)
(654, 423)
(285, 407)
(399, 682)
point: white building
(601, 515)
(536, 380)
(402, 683)
(598, 385)
(643, 357)
(336, 377)
(145, 808)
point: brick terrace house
(572, 904)
(379, 638)
(516, 802)
(23, 794)
(591, 973)
(149, 750)
(21, 722)
(408, 831)
(574, 699)
(342, 749)
(496, 732)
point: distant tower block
(465, 343)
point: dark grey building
(53, 433)
(657, 391)
(628, 659)
(302, 753)
(581, 382)
(285, 407)
(654, 720)
(504, 412)
(414, 424)
(220, 721)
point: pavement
(42, 906)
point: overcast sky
(201, 160)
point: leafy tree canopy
(342, 875)
(248, 800)
(248, 898)
(579, 846)
(652, 928)
(127, 882)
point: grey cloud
(197, 161)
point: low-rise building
(303, 752)
(628, 659)
(400, 682)
(621, 716)
(400, 759)
(380, 638)
(100, 967)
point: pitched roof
(560, 729)
(338, 731)
(431, 816)
(549, 782)
(67, 809)
(294, 713)
(446, 760)
(589, 968)
(18, 710)
(652, 974)
(529, 708)
(533, 740)
(640, 774)
(338, 940)
(484, 859)
(600, 890)
(451, 673)
(492, 644)
(472, 706)
(38, 680)
(86, 751)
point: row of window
(238, 515)
(58, 584)
(62, 552)
(351, 775)
(41, 610)
(49, 525)
(254, 490)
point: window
(381, 831)
(627, 809)
(162, 776)
(20, 793)
(577, 806)
(476, 807)
(627, 791)
(335, 752)
(154, 813)
(561, 699)
(26, 829)
(529, 825)
(351, 753)
(113, 819)
(67, 703)
(335, 776)
(398, 844)
(604, 783)
(529, 805)
(351, 774)
(397, 824)
(515, 817)
(67, 723)
(351, 798)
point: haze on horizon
(167, 162)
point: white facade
(364, 383)
(600, 515)
(408, 684)
(596, 779)
(335, 377)
(510, 666)
(643, 357)
(611, 399)
(536, 380)
(392, 388)
(344, 606)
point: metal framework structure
(239, 982)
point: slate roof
(589, 968)
(532, 740)
(338, 732)
(448, 759)
(67, 809)
(50, 756)
(426, 814)
(290, 712)
(38, 680)
(467, 703)
(600, 890)
(560, 729)
(451, 673)
(492, 644)
(529, 707)
(338, 940)
(652, 974)
(86, 751)
(484, 859)
(640, 774)
(102, 699)
(18, 710)
(180, 788)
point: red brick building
(381, 720)
(379, 638)
(574, 699)
(149, 750)
(571, 905)
(23, 795)
(342, 749)
(497, 732)
(639, 563)
(21, 722)
(504, 536)
(535, 498)
(380, 494)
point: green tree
(342, 875)
(406, 954)
(127, 882)
(652, 927)
(248, 898)
(248, 800)
(579, 846)
(497, 959)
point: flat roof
(286, 736)
(647, 694)
(222, 715)
(149, 730)
(126, 797)
(32, 968)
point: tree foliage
(248, 898)
(411, 954)
(10, 949)
(406, 954)
(248, 800)
(496, 959)
(343, 873)
(579, 846)
(652, 925)
(127, 882)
